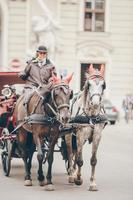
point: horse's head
(60, 97)
(94, 87)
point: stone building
(77, 33)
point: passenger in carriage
(37, 72)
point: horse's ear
(102, 69)
(55, 79)
(68, 78)
(91, 69)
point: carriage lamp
(6, 92)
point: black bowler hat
(42, 49)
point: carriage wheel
(6, 154)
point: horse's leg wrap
(79, 162)
(40, 156)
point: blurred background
(76, 33)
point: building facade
(77, 33)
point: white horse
(87, 105)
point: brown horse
(48, 108)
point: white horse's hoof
(93, 188)
(49, 187)
(78, 181)
(41, 183)
(28, 183)
(71, 179)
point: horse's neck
(77, 105)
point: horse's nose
(65, 119)
(95, 101)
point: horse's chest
(85, 132)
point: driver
(37, 72)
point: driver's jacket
(36, 74)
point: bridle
(95, 94)
(58, 107)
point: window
(94, 15)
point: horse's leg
(50, 158)
(93, 160)
(79, 158)
(29, 159)
(40, 156)
(31, 149)
(22, 137)
(68, 139)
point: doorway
(85, 69)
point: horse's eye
(89, 85)
(61, 88)
(104, 86)
(56, 93)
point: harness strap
(55, 113)
(19, 126)
(63, 105)
(40, 119)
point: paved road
(114, 172)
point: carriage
(8, 97)
(93, 121)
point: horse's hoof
(28, 183)
(41, 183)
(78, 181)
(49, 187)
(71, 179)
(93, 188)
